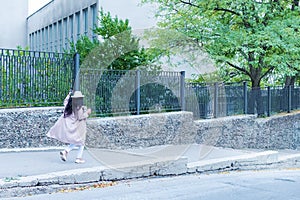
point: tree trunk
(289, 80)
(256, 100)
(295, 4)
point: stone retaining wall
(27, 127)
(247, 131)
(141, 131)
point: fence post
(182, 90)
(269, 102)
(76, 72)
(289, 98)
(1, 55)
(138, 91)
(245, 97)
(216, 100)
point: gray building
(60, 22)
(13, 14)
(55, 25)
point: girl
(71, 126)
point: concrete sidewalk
(42, 167)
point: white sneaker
(79, 161)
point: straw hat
(77, 94)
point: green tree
(116, 47)
(251, 39)
(255, 38)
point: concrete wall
(13, 14)
(20, 128)
(140, 16)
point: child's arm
(67, 99)
(84, 113)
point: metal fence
(29, 78)
(219, 100)
(111, 92)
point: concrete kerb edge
(290, 158)
(166, 166)
(265, 157)
(159, 167)
(33, 149)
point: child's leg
(80, 151)
(70, 148)
(79, 155)
(64, 154)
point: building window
(35, 41)
(86, 21)
(94, 19)
(65, 24)
(43, 39)
(55, 36)
(60, 36)
(31, 40)
(77, 15)
(71, 28)
(46, 39)
(50, 38)
(38, 39)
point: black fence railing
(29, 78)
(219, 100)
(112, 92)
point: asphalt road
(246, 185)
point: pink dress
(70, 129)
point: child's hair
(68, 108)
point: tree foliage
(115, 48)
(251, 40)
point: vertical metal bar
(76, 73)
(59, 72)
(10, 75)
(289, 98)
(182, 90)
(216, 100)
(18, 88)
(31, 81)
(47, 74)
(138, 91)
(269, 102)
(2, 66)
(245, 97)
(35, 75)
(13, 76)
(24, 81)
(42, 78)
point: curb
(265, 157)
(166, 166)
(151, 167)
